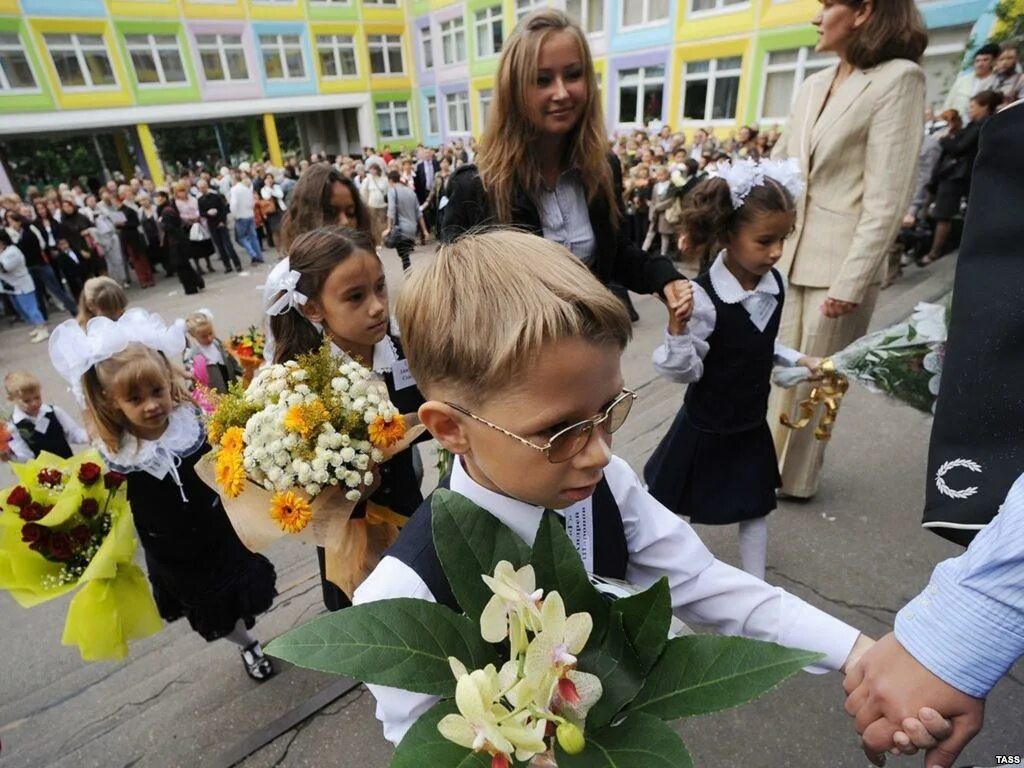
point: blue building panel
(953, 13)
(637, 38)
(296, 87)
(68, 8)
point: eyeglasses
(570, 441)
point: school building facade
(372, 72)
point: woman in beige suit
(856, 129)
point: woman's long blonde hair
(505, 160)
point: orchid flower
(515, 595)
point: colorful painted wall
(401, 71)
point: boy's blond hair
(18, 382)
(475, 318)
(196, 321)
(101, 297)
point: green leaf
(647, 617)
(404, 643)
(911, 333)
(640, 741)
(559, 568)
(470, 542)
(424, 746)
(707, 673)
(619, 668)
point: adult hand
(679, 295)
(887, 685)
(834, 308)
(909, 220)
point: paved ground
(856, 550)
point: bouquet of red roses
(67, 526)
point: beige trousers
(804, 328)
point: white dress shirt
(242, 201)
(681, 358)
(704, 590)
(73, 431)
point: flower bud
(500, 760)
(570, 738)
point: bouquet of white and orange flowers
(296, 451)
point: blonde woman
(856, 129)
(543, 163)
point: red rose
(60, 547)
(113, 480)
(89, 508)
(50, 477)
(32, 533)
(89, 473)
(34, 511)
(81, 535)
(19, 497)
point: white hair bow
(743, 175)
(291, 298)
(73, 351)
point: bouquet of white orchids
(539, 668)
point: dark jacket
(213, 201)
(959, 151)
(616, 258)
(419, 180)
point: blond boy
(38, 427)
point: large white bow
(743, 175)
(291, 298)
(73, 351)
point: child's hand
(679, 295)
(813, 364)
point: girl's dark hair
(313, 255)
(990, 100)
(5, 239)
(310, 206)
(709, 217)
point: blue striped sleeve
(967, 626)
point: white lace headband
(291, 298)
(73, 351)
(743, 175)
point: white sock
(753, 538)
(240, 636)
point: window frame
(281, 47)
(643, 81)
(797, 68)
(335, 47)
(720, 8)
(222, 47)
(433, 122)
(453, 33)
(584, 17)
(647, 23)
(526, 7)
(485, 101)
(386, 44)
(461, 99)
(153, 49)
(494, 15)
(712, 77)
(79, 51)
(426, 39)
(393, 112)
(6, 89)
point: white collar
(728, 287)
(522, 518)
(385, 354)
(19, 415)
(183, 436)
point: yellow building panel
(143, 8)
(793, 13)
(91, 97)
(277, 11)
(221, 9)
(391, 83)
(372, 12)
(703, 26)
(9, 6)
(601, 70)
(700, 52)
(342, 84)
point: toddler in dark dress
(717, 464)
(148, 429)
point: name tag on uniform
(763, 310)
(401, 375)
(42, 424)
(579, 525)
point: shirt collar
(385, 354)
(728, 287)
(19, 415)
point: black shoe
(228, 270)
(257, 666)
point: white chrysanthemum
(352, 479)
(368, 478)
(353, 495)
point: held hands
(679, 297)
(834, 308)
(886, 686)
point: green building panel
(35, 101)
(400, 95)
(763, 43)
(487, 66)
(158, 94)
(332, 11)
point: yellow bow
(828, 391)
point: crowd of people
(788, 229)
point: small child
(336, 290)
(101, 297)
(37, 426)
(73, 267)
(206, 353)
(717, 463)
(148, 429)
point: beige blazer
(859, 159)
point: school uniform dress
(399, 490)
(717, 463)
(51, 430)
(620, 531)
(198, 567)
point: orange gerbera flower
(387, 432)
(230, 473)
(233, 440)
(290, 511)
(306, 419)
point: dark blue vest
(52, 440)
(415, 545)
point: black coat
(616, 259)
(959, 152)
(213, 201)
(419, 180)
(979, 412)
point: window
(427, 47)
(488, 28)
(282, 57)
(783, 73)
(711, 89)
(337, 56)
(696, 6)
(486, 97)
(433, 123)
(393, 119)
(641, 93)
(380, 2)
(453, 41)
(589, 14)
(156, 59)
(386, 54)
(81, 61)
(639, 13)
(524, 7)
(330, 2)
(15, 71)
(458, 112)
(222, 57)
